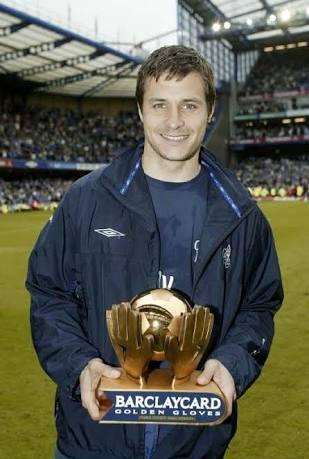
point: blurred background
(67, 82)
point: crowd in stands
(263, 176)
(276, 72)
(66, 135)
(269, 177)
(262, 107)
(31, 193)
(260, 132)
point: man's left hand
(216, 372)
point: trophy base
(161, 400)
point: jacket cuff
(71, 386)
(236, 360)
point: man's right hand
(89, 380)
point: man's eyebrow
(191, 99)
(194, 99)
(156, 99)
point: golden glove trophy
(160, 325)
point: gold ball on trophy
(160, 308)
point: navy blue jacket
(76, 273)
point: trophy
(157, 327)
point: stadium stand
(285, 132)
(264, 106)
(66, 135)
(53, 124)
(31, 193)
(287, 70)
(268, 177)
(270, 136)
(43, 147)
(275, 98)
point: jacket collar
(227, 199)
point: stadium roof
(253, 23)
(45, 57)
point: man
(165, 214)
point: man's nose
(175, 118)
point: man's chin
(176, 154)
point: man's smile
(175, 138)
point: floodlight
(249, 22)
(271, 19)
(285, 15)
(216, 26)
(227, 25)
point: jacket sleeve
(246, 345)
(58, 335)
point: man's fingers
(214, 370)
(92, 406)
(103, 402)
(96, 405)
(89, 381)
(207, 374)
(110, 372)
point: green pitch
(273, 414)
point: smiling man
(166, 214)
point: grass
(273, 419)
(26, 393)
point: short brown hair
(176, 61)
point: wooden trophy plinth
(159, 399)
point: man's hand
(215, 371)
(89, 380)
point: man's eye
(189, 107)
(159, 106)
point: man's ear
(140, 113)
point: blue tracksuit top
(76, 272)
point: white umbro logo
(109, 232)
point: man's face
(175, 116)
